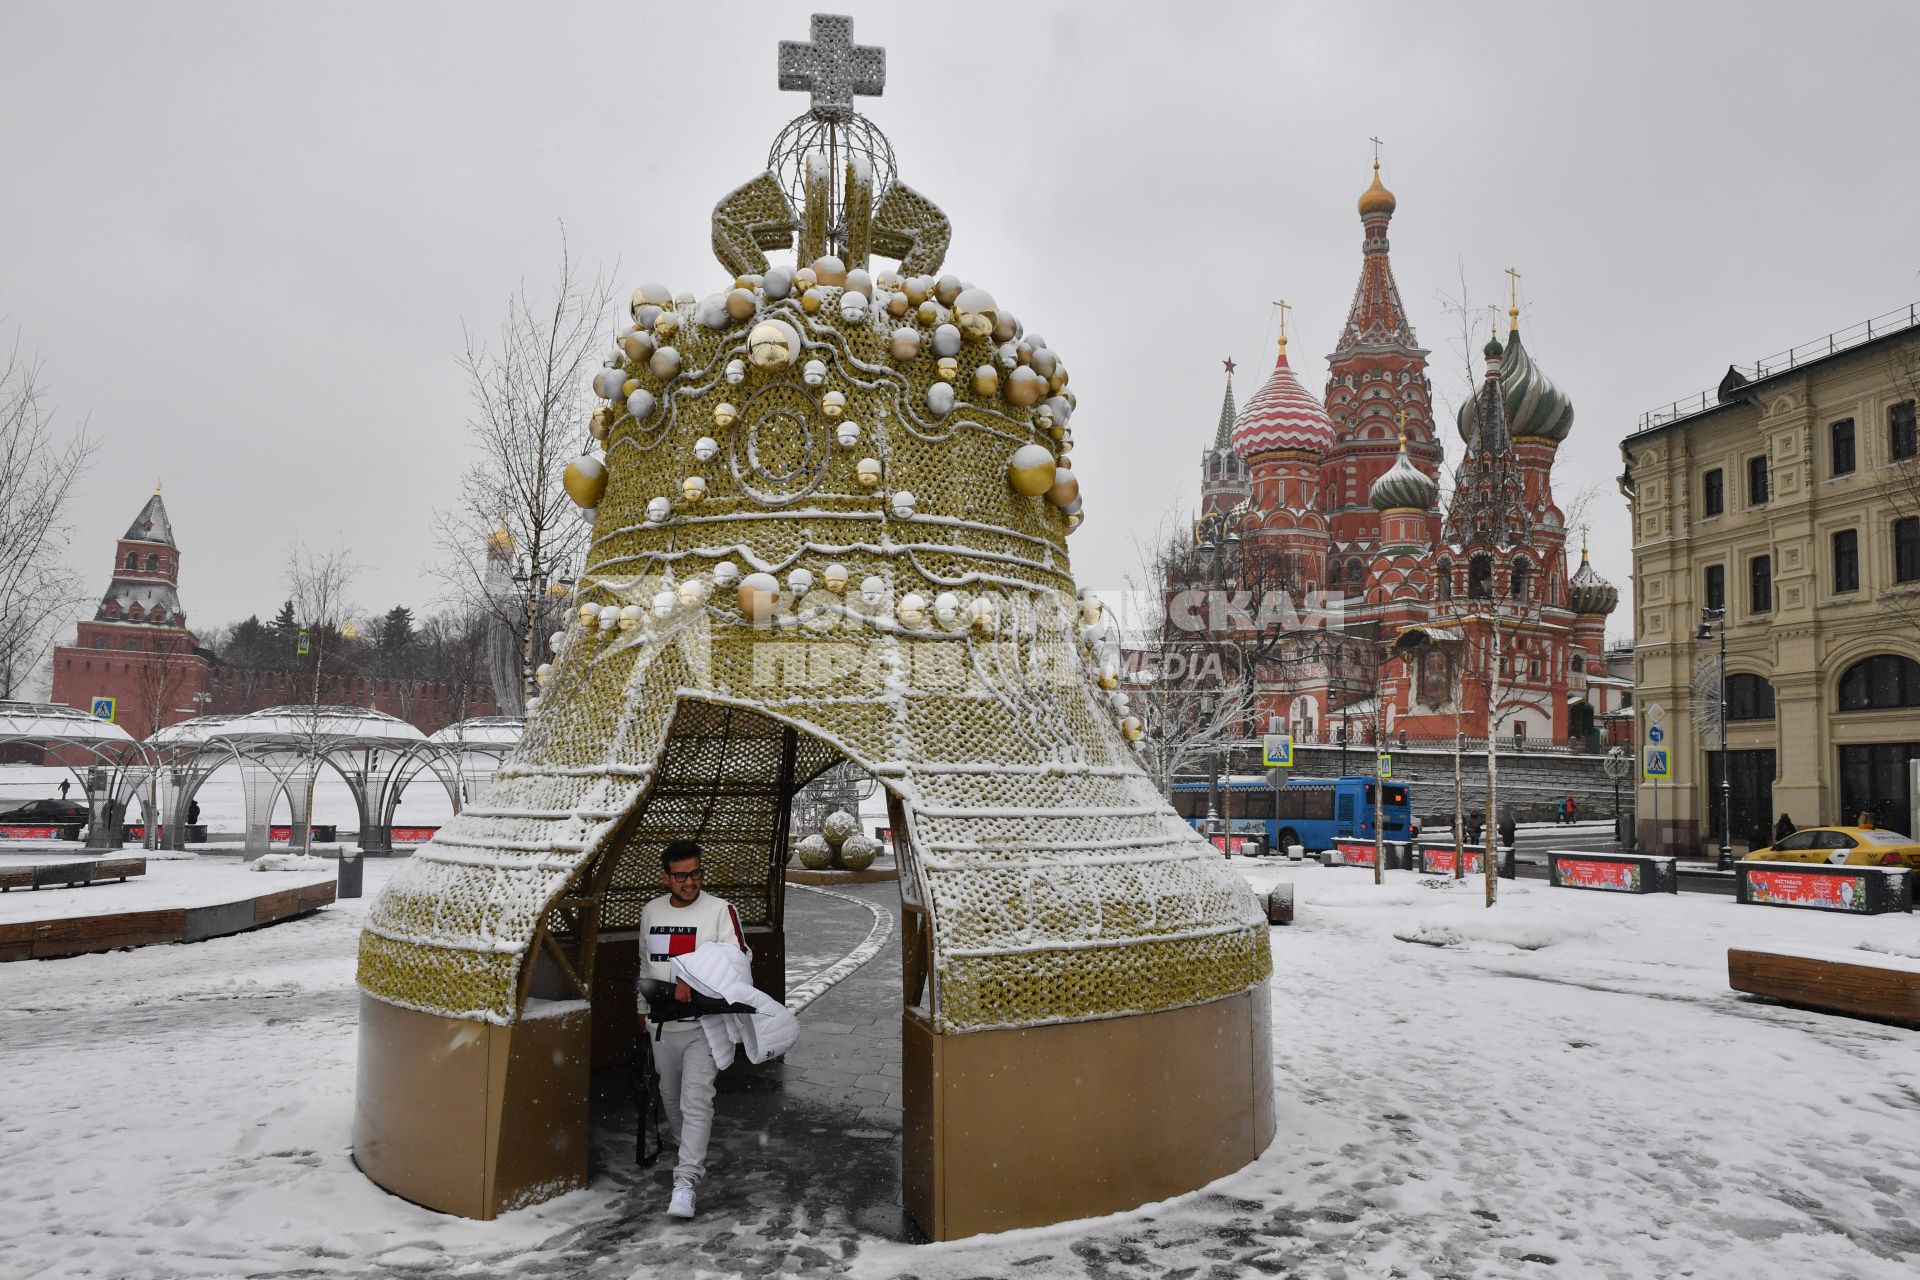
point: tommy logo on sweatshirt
(664, 941)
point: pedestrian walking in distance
(1783, 828)
(64, 784)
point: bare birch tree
(531, 397)
(317, 584)
(38, 471)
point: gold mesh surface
(1059, 884)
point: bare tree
(317, 584)
(531, 399)
(38, 471)
(454, 645)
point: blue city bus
(1310, 812)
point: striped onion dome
(1403, 486)
(1282, 415)
(1590, 593)
(1535, 407)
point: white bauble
(706, 449)
(664, 603)
(946, 608)
(902, 504)
(659, 509)
(848, 434)
(940, 399)
(912, 610)
(726, 573)
(800, 581)
(873, 589)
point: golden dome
(350, 630)
(1376, 198)
(500, 543)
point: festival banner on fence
(1583, 873)
(1808, 889)
(1355, 853)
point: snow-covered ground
(172, 882)
(1561, 1086)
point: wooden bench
(67, 875)
(1862, 984)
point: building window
(1901, 441)
(1444, 577)
(1520, 576)
(133, 644)
(1843, 447)
(1716, 586)
(1760, 584)
(1906, 549)
(133, 561)
(99, 642)
(1579, 662)
(1757, 480)
(153, 562)
(1480, 577)
(1355, 576)
(1883, 681)
(1714, 493)
(1749, 698)
(1533, 668)
(1846, 560)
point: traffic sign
(1383, 768)
(1655, 733)
(1655, 712)
(103, 708)
(1657, 764)
(1276, 750)
(304, 645)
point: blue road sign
(1655, 733)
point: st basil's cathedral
(1338, 498)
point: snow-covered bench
(1866, 984)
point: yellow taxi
(1849, 846)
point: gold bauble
(904, 345)
(867, 472)
(1108, 680)
(1074, 521)
(741, 304)
(1065, 488)
(834, 578)
(929, 313)
(1057, 433)
(898, 304)
(918, 289)
(665, 364)
(770, 345)
(805, 278)
(759, 595)
(724, 414)
(585, 480)
(834, 403)
(810, 301)
(630, 386)
(600, 423)
(830, 271)
(948, 368)
(694, 489)
(638, 345)
(1031, 470)
(665, 325)
(986, 381)
(1131, 729)
(1023, 388)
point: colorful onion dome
(1282, 415)
(1403, 486)
(1588, 592)
(1535, 407)
(1376, 198)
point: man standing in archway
(675, 924)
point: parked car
(47, 813)
(1848, 846)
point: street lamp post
(1709, 616)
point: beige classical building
(1790, 496)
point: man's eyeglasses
(685, 877)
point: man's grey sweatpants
(687, 1076)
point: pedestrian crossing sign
(1276, 750)
(103, 709)
(1658, 764)
(1384, 768)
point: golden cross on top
(1376, 151)
(1284, 308)
(1513, 293)
(1401, 418)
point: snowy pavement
(1562, 1086)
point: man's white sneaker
(681, 1206)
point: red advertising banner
(281, 834)
(1440, 861)
(1355, 853)
(1579, 873)
(1799, 889)
(34, 831)
(414, 835)
(1228, 844)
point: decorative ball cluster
(919, 315)
(839, 846)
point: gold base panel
(1002, 1129)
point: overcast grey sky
(244, 237)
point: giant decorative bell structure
(1085, 1011)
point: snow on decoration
(1057, 884)
(837, 826)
